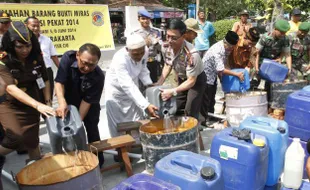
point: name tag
(40, 83)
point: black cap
(281, 130)
(232, 37)
(296, 12)
(207, 173)
(4, 17)
(253, 34)
(19, 31)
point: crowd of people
(27, 83)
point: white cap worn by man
(124, 101)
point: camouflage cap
(193, 25)
(282, 25)
(4, 17)
(304, 26)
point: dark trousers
(153, 68)
(208, 102)
(91, 124)
(191, 100)
(50, 76)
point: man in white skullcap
(124, 101)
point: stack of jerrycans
(297, 116)
(244, 162)
(190, 171)
(276, 133)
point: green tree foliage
(222, 27)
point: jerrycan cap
(281, 130)
(207, 173)
(259, 142)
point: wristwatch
(174, 93)
(2, 98)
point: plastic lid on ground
(207, 173)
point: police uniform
(153, 35)
(299, 47)
(4, 17)
(78, 87)
(187, 63)
(29, 78)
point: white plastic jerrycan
(293, 165)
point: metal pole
(197, 8)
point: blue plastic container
(297, 114)
(304, 146)
(190, 171)
(233, 84)
(272, 71)
(304, 186)
(276, 132)
(244, 164)
(145, 182)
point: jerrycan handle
(185, 165)
(261, 122)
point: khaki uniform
(13, 112)
(154, 37)
(187, 63)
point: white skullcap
(135, 41)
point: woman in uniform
(27, 91)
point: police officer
(275, 45)
(79, 82)
(186, 62)
(152, 38)
(5, 21)
(300, 46)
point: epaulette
(3, 54)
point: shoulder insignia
(3, 54)
(35, 62)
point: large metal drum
(73, 171)
(157, 141)
(240, 106)
(280, 91)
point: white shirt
(124, 100)
(47, 49)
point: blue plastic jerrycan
(67, 135)
(145, 182)
(244, 162)
(190, 171)
(297, 114)
(233, 84)
(272, 71)
(276, 133)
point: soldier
(275, 45)
(300, 45)
(186, 62)
(152, 38)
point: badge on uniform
(151, 59)
(40, 83)
(182, 58)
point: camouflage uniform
(153, 36)
(272, 48)
(299, 47)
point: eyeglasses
(173, 38)
(6, 22)
(89, 65)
